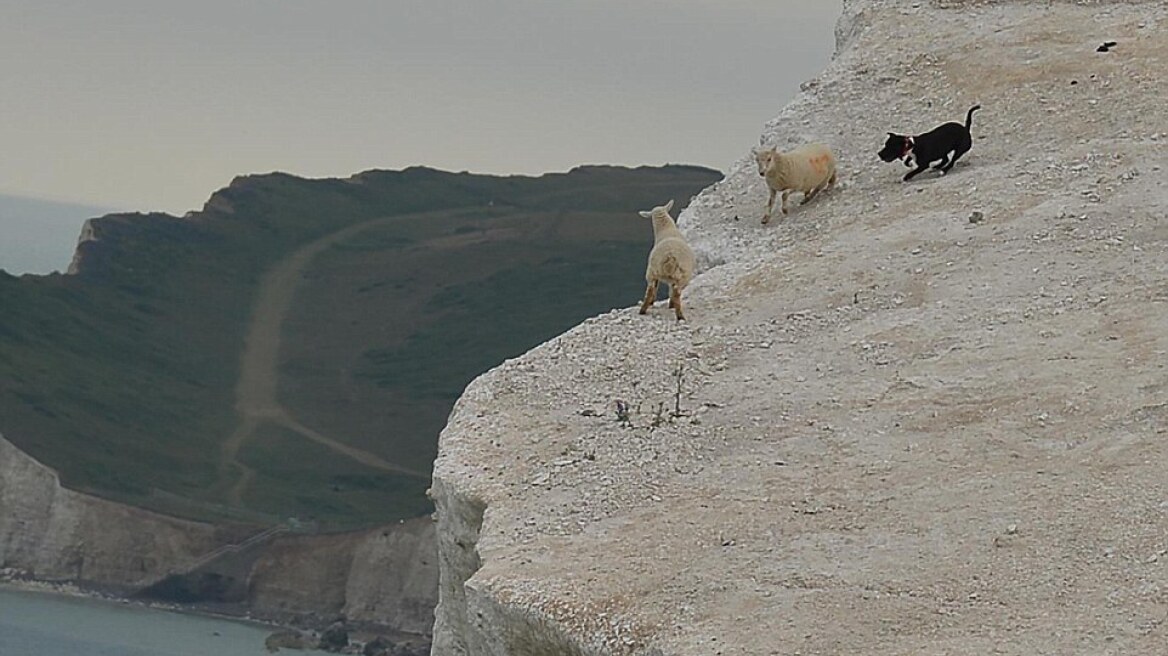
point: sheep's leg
(770, 206)
(786, 192)
(834, 179)
(675, 301)
(823, 187)
(809, 195)
(650, 296)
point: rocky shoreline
(335, 636)
(382, 580)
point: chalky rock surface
(922, 418)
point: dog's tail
(969, 116)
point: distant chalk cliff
(384, 578)
(51, 533)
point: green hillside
(293, 349)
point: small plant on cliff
(622, 414)
(625, 412)
(659, 416)
(677, 394)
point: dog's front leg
(913, 173)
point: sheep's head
(660, 210)
(764, 159)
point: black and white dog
(931, 146)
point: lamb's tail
(969, 116)
(670, 268)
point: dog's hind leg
(944, 163)
(962, 148)
(956, 156)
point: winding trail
(256, 400)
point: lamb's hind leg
(675, 301)
(650, 296)
(809, 195)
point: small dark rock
(335, 638)
(379, 646)
(422, 649)
(287, 640)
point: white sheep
(671, 261)
(808, 169)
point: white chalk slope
(900, 431)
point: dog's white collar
(908, 147)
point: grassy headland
(135, 377)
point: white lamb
(808, 169)
(671, 261)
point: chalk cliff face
(385, 577)
(924, 417)
(52, 533)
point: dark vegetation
(122, 376)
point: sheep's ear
(669, 205)
(647, 215)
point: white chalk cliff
(52, 533)
(384, 576)
(909, 418)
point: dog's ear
(892, 134)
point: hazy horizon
(39, 236)
(149, 106)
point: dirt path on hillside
(256, 398)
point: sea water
(41, 624)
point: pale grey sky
(155, 104)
